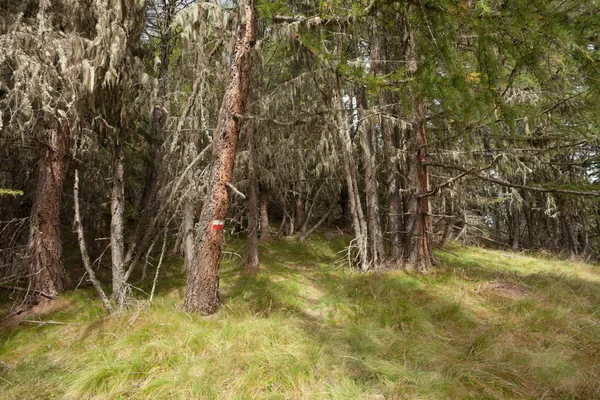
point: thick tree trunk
(117, 208)
(253, 260)
(264, 214)
(419, 251)
(44, 247)
(394, 211)
(202, 292)
(377, 250)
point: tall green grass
(485, 325)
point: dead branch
(234, 190)
(83, 248)
(502, 182)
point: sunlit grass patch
(485, 324)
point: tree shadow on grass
(398, 335)
(394, 332)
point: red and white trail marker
(218, 224)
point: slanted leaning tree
(202, 292)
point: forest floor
(487, 324)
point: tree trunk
(515, 224)
(264, 214)
(281, 229)
(44, 247)
(448, 207)
(253, 260)
(377, 250)
(344, 202)
(528, 211)
(176, 250)
(419, 252)
(393, 195)
(395, 227)
(299, 214)
(359, 224)
(165, 44)
(309, 214)
(83, 248)
(557, 233)
(117, 208)
(188, 234)
(309, 232)
(202, 292)
(572, 239)
(585, 238)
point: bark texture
(394, 207)
(359, 223)
(264, 214)
(377, 251)
(117, 208)
(419, 249)
(202, 292)
(188, 234)
(44, 248)
(515, 224)
(83, 247)
(253, 256)
(393, 195)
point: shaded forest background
(131, 129)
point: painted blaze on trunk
(202, 292)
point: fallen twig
(40, 323)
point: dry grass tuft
(485, 325)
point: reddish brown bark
(202, 292)
(419, 250)
(44, 248)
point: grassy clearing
(486, 325)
